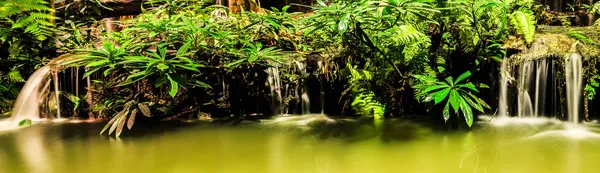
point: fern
(579, 36)
(523, 20)
(365, 104)
(15, 76)
(407, 34)
(29, 16)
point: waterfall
(56, 93)
(540, 87)
(30, 98)
(304, 96)
(528, 77)
(275, 87)
(573, 72)
(525, 107)
(504, 75)
(321, 87)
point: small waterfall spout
(504, 76)
(574, 80)
(56, 93)
(531, 88)
(304, 96)
(525, 107)
(540, 86)
(275, 85)
(322, 93)
(30, 98)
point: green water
(328, 147)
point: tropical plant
(591, 86)
(254, 53)
(365, 104)
(456, 94)
(107, 58)
(127, 115)
(524, 22)
(167, 67)
(34, 17)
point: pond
(293, 145)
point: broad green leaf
(152, 34)
(235, 62)
(343, 23)
(90, 72)
(441, 95)
(433, 88)
(455, 100)
(174, 87)
(135, 75)
(107, 46)
(446, 112)
(25, 122)
(468, 113)
(187, 67)
(183, 50)
(462, 77)
(468, 86)
(162, 50)
(162, 67)
(178, 78)
(97, 63)
(284, 9)
(273, 23)
(252, 58)
(449, 80)
(480, 101)
(473, 104)
(202, 84)
(427, 79)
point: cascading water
(504, 76)
(525, 107)
(30, 98)
(540, 87)
(533, 74)
(275, 87)
(322, 92)
(56, 93)
(304, 96)
(574, 80)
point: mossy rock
(554, 42)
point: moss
(554, 41)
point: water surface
(343, 146)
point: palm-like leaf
(457, 94)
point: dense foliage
(185, 58)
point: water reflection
(320, 146)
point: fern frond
(407, 34)
(365, 104)
(523, 20)
(15, 76)
(579, 36)
(29, 16)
